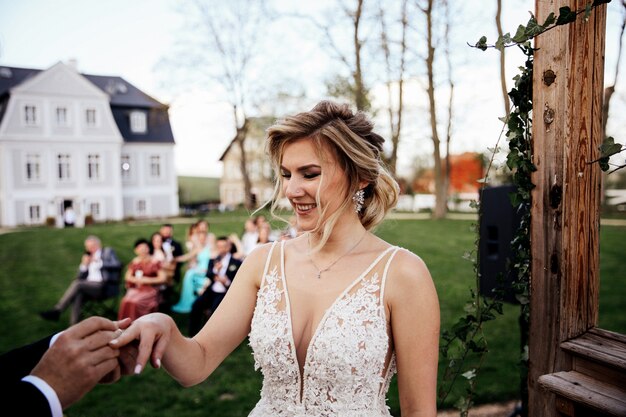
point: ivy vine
(464, 345)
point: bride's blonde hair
(349, 137)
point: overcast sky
(132, 38)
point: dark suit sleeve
(177, 249)
(111, 266)
(209, 270)
(23, 398)
(233, 267)
(110, 260)
(17, 363)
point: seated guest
(195, 277)
(143, 278)
(98, 276)
(220, 273)
(171, 247)
(250, 236)
(168, 265)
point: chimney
(72, 63)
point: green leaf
(566, 15)
(533, 28)
(587, 11)
(549, 20)
(470, 307)
(609, 147)
(503, 41)
(474, 347)
(520, 35)
(482, 43)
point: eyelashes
(306, 176)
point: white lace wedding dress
(349, 361)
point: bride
(332, 314)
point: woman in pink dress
(143, 278)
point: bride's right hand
(153, 331)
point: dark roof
(10, 77)
(159, 129)
(123, 97)
(122, 93)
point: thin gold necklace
(320, 271)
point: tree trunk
(505, 95)
(240, 139)
(440, 191)
(450, 98)
(395, 117)
(360, 96)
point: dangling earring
(359, 199)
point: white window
(138, 122)
(233, 169)
(30, 115)
(267, 170)
(255, 170)
(93, 166)
(34, 213)
(90, 117)
(61, 114)
(126, 167)
(140, 207)
(33, 167)
(155, 166)
(94, 209)
(63, 164)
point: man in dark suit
(98, 277)
(172, 250)
(48, 376)
(221, 273)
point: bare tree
(354, 86)
(505, 95)
(609, 90)
(224, 44)
(395, 109)
(448, 59)
(441, 194)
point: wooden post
(567, 129)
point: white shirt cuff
(54, 339)
(48, 392)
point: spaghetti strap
(384, 279)
(267, 264)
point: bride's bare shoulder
(254, 263)
(408, 273)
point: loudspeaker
(498, 225)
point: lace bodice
(349, 361)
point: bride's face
(304, 175)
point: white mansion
(94, 143)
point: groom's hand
(79, 358)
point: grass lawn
(36, 265)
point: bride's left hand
(153, 331)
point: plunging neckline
(302, 372)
